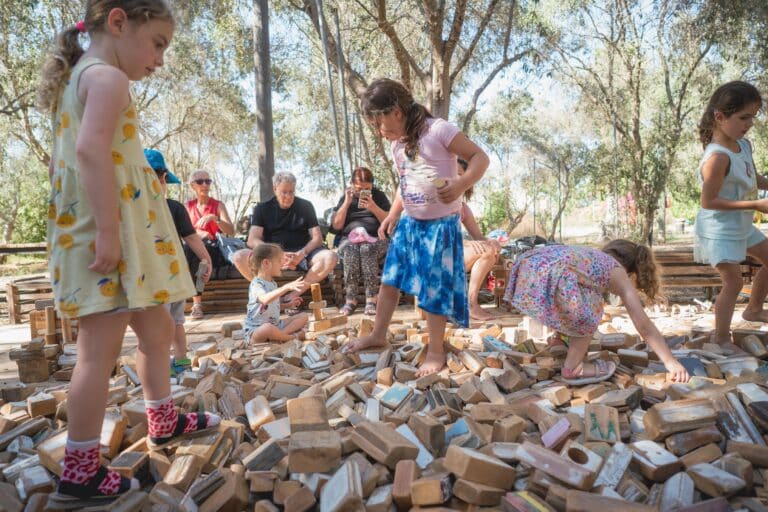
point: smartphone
(365, 195)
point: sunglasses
(207, 181)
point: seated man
(291, 223)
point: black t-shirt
(181, 218)
(362, 217)
(288, 228)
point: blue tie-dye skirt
(426, 259)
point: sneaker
(197, 311)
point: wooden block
(684, 442)
(285, 387)
(668, 418)
(578, 501)
(557, 395)
(41, 404)
(395, 396)
(203, 446)
(524, 501)
(344, 491)
(753, 345)
(655, 462)
(183, 471)
(129, 464)
(678, 491)
(477, 467)
(230, 404)
(508, 429)
(477, 494)
(556, 466)
(406, 472)
(432, 490)
(314, 451)
(556, 435)
(112, 432)
(737, 466)
(429, 430)
(470, 391)
(28, 428)
(51, 452)
(424, 458)
(258, 412)
(601, 423)
(757, 455)
(383, 444)
(405, 372)
(275, 430)
(380, 499)
(265, 457)
(34, 480)
(714, 481)
(164, 494)
(582, 456)
(326, 323)
(213, 383)
(300, 501)
(231, 496)
(713, 505)
(705, 454)
(307, 414)
(159, 464)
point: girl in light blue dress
(724, 233)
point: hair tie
(80, 26)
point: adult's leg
(479, 258)
(369, 263)
(730, 274)
(435, 359)
(320, 266)
(754, 311)
(99, 339)
(387, 302)
(240, 261)
(351, 261)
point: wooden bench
(231, 295)
(679, 270)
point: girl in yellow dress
(114, 255)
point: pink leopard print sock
(162, 418)
(81, 462)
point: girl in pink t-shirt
(426, 257)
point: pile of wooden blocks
(307, 427)
(51, 351)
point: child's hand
(677, 372)
(108, 252)
(387, 227)
(761, 205)
(451, 191)
(295, 286)
(294, 303)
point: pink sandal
(601, 370)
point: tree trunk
(264, 134)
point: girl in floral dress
(563, 287)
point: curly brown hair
(638, 260)
(68, 51)
(383, 96)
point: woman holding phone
(356, 223)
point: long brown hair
(637, 259)
(728, 99)
(382, 96)
(67, 50)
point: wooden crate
(22, 294)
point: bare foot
(755, 316)
(363, 343)
(432, 364)
(478, 313)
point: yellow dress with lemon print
(152, 269)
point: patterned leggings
(361, 263)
